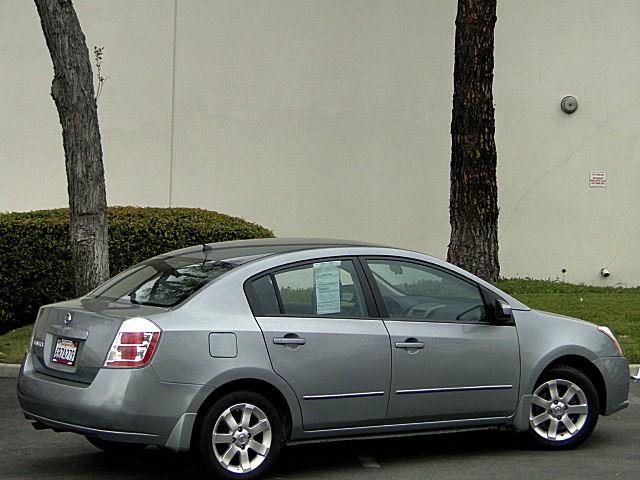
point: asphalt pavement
(613, 451)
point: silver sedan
(236, 349)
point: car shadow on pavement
(421, 448)
(333, 457)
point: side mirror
(502, 311)
(397, 269)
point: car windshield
(163, 282)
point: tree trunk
(73, 94)
(473, 203)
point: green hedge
(35, 256)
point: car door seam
(364, 269)
(273, 368)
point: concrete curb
(10, 370)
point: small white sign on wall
(598, 180)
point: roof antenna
(204, 245)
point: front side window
(325, 289)
(163, 282)
(417, 292)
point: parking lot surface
(613, 451)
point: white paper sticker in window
(326, 276)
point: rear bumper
(615, 372)
(128, 405)
(131, 437)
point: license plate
(65, 351)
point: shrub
(35, 256)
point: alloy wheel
(241, 438)
(559, 410)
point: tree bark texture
(73, 93)
(473, 202)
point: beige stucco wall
(550, 218)
(331, 118)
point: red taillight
(128, 352)
(134, 344)
(132, 338)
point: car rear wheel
(241, 436)
(115, 447)
(564, 409)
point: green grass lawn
(13, 344)
(617, 308)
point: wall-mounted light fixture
(569, 104)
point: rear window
(163, 282)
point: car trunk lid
(72, 339)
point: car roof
(243, 251)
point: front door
(323, 341)
(449, 361)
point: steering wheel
(459, 317)
(425, 313)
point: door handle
(289, 341)
(410, 345)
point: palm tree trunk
(473, 203)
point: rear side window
(163, 282)
(265, 300)
(319, 289)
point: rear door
(449, 360)
(325, 339)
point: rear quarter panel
(184, 353)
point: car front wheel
(564, 409)
(241, 436)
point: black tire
(116, 447)
(587, 423)
(205, 447)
